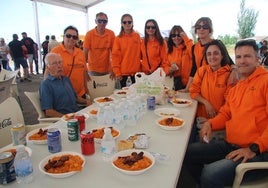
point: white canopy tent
(79, 5)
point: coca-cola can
(87, 143)
(81, 121)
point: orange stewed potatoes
(180, 101)
(64, 163)
(40, 135)
(170, 122)
(93, 112)
(105, 99)
(98, 133)
(134, 162)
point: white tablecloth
(97, 173)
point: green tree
(247, 19)
(227, 39)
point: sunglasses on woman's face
(102, 21)
(127, 22)
(175, 35)
(202, 26)
(71, 36)
(150, 27)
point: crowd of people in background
(203, 67)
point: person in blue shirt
(57, 95)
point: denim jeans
(208, 166)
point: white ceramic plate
(96, 100)
(127, 153)
(98, 140)
(35, 141)
(120, 93)
(66, 117)
(164, 112)
(94, 116)
(181, 102)
(60, 175)
(170, 128)
(9, 148)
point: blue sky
(17, 16)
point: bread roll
(124, 145)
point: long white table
(98, 173)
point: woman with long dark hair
(153, 48)
(126, 51)
(179, 56)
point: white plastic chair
(100, 86)
(14, 86)
(35, 100)
(11, 114)
(5, 87)
(5, 75)
(242, 168)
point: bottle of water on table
(129, 81)
(108, 147)
(23, 166)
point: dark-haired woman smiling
(126, 51)
(179, 56)
(153, 48)
(204, 30)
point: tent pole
(87, 20)
(37, 33)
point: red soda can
(87, 143)
(81, 121)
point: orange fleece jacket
(157, 56)
(79, 68)
(99, 50)
(245, 113)
(199, 55)
(211, 85)
(182, 56)
(126, 54)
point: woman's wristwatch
(255, 148)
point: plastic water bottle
(129, 81)
(100, 114)
(132, 119)
(108, 115)
(108, 147)
(117, 84)
(23, 166)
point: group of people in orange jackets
(226, 92)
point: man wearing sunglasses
(98, 47)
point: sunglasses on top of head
(71, 36)
(175, 35)
(127, 22)
(150, 27)
(202, 26)
(102, 21)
